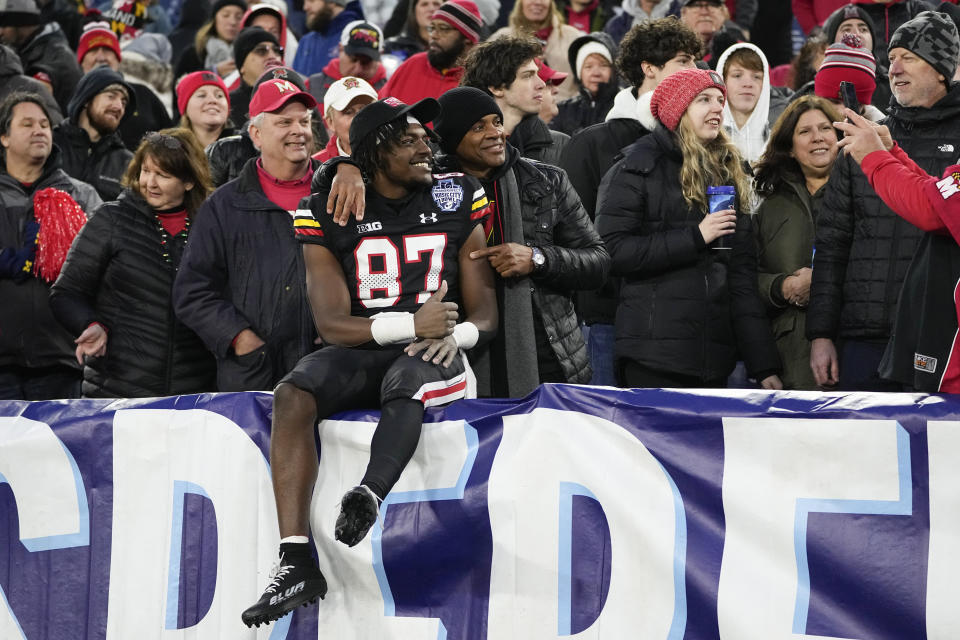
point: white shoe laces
(277, 573)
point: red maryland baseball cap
(273, 95)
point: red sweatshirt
(416, 79)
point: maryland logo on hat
(351, 83)
(273, 95)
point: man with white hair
(241, 282)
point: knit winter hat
(847, 61)
(847, 12)
(19, 13)
(247, 40)
(932, 36)
(150, 46)
(97, 34)
(462, 15)
(192, 81)
(675, 93)
(220, 4)
(461, 108)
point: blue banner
(577, 511)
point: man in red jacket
(359, 57)
(454, 29)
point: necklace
(166, 240)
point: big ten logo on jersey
(367, 227)
(382, 277)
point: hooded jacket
(315, 49)
(48, 47)
(584, 109)
(751, 139)
(102, 163)
(12, 79)
(115, 274)
(29, 334)
(287, 40)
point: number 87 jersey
(395, 259)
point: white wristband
(393, 328)
(466, 334)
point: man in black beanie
(92, 150)
(254, 51)
(539, 240)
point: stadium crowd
(158, 157)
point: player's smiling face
(410, 161)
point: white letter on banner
(158, 456)
(776, 471)
(359, 603)
(542, 457)
(51, 500)
(943, 565)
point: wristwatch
(539, 260)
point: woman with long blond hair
(688, 306)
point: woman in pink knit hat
(688, 309)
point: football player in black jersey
(386, 294)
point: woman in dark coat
(791, 176)
(114, 291)
(687, 307)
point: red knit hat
(192, 81)
(97, 34)
(675, 93)
(463, 16)
(847, 61)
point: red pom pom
(60, 219)
(852, 40)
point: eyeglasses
(265, 49)
(439, 29)
(164, 140)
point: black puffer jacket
(862, 247)
(535, 141)
(684, 308)
(116, 274)
(227, 156)
(29, 334)
(243, 269)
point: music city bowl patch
(447, 194)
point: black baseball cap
(362, 39)
(376, 114)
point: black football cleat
(293, 583)
(359, 509)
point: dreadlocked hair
(712, 163)
(368, 153)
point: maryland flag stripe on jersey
(304, 224)
(481, 205)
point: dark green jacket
(785, 232)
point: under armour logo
(424, 218)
